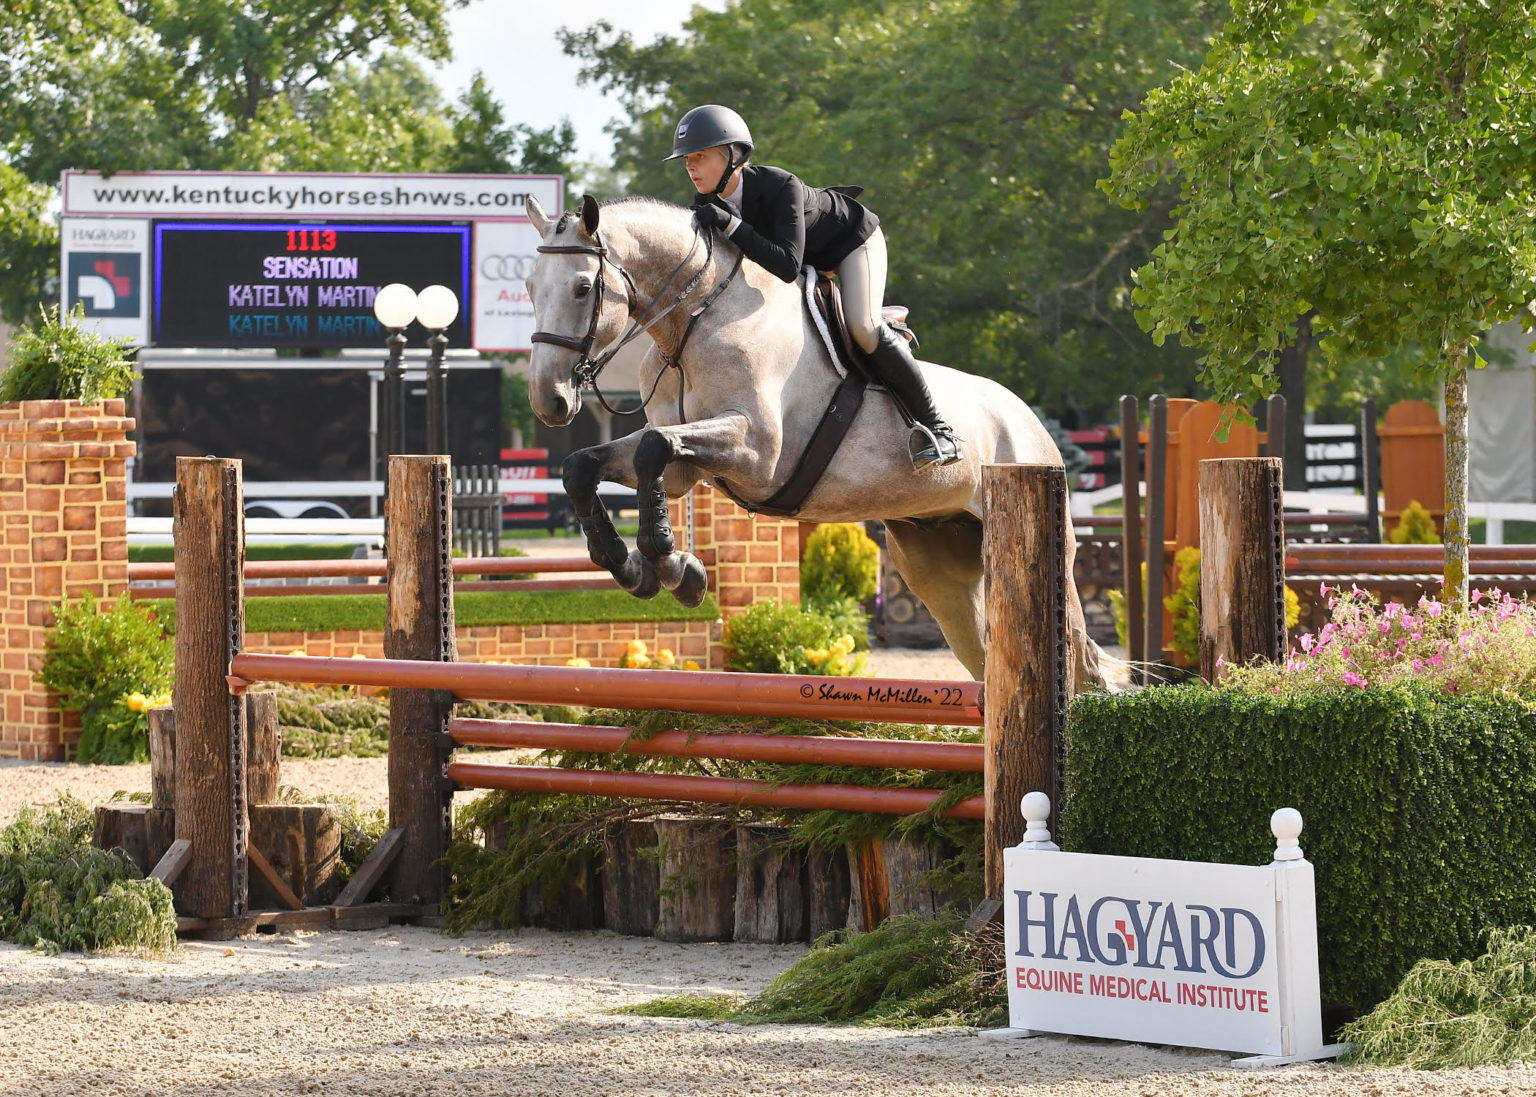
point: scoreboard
(303, 284)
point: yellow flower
(665, 658)
(843, 644)
(691, 664)
(637, 649)
(137, 702)
(816, 656)
(298, 651)
(578, 662)
(160, 700)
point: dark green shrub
(840, 561)
(1415, 527)
(60, 359)
(58, 893)
(847, 616)
(97, 659)
(1417, 808)
(775, 638)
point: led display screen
(270, 284)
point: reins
(586, 370)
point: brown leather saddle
(844, 406)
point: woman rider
(782, 224)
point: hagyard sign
(1170, 952)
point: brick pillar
(750, 558)
(64, 517)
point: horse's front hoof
(638, 577)
(694, 585)
(670, 570)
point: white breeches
(862, 279)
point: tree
(1382, 185)
(978, 127)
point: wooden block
(162, 758)
(577, 903)
(175, 859)
(912, 869)
(829, 892)
(869, 903)
(141, 833)
(631, 878)
(771, 892)
(302, 844)
(698, 880)
(263, 748)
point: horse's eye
(582, 289)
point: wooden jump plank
(172, 862)
(372, 868)
(284, 893)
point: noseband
(586, 369)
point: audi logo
(506, 268)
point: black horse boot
(933, 442)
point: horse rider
(781, 224)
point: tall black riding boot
(932, 442)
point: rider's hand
(711, 217)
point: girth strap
(835, 423)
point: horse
(737, 381)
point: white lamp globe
(436, 306)
(395, 305)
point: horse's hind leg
(942, 566)
(680, 572)
(581, 473)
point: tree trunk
(1454, 359)
(1292, 372)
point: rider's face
(705, 168)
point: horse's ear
(535, 214)
(589, 215)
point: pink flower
(1478, 596)
(1306, 639)
(1408, 621)
(1431, 607)
(1353, 679)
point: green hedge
(1419, 808)
(339, 550)
(350, 612)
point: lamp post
(395, 308)
(436, 308)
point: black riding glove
(708, 217)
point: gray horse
(736, 390)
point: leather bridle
(587, 368)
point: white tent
(1501, 419)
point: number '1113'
(311, 240)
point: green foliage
(847, 617)
(910, 972)
(1444, 1015)
(59, 358)
(1414, 527)
(784, 638)
(254, 550)
(1184, 603)
(348, 612)
(95, 661)
(58, 893)
(840, 560)
(887, 95)
(1416, 807)
(331, 722)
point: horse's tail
(1098, 667)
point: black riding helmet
(710, 126)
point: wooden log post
(209, 531)
(1242, 562)
(263, 750)
(698, 879)
(1024, 558)
(631, 878)
(419, 525)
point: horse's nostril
(562, 407)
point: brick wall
(63, 510)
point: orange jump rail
(709, 790)
(813, 749)
(317, 569)
(891, 700)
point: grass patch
(1516, 531)
(164, 554)
(1475, 1013)
(357, 612)
(701, 1007)
(911, 972)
